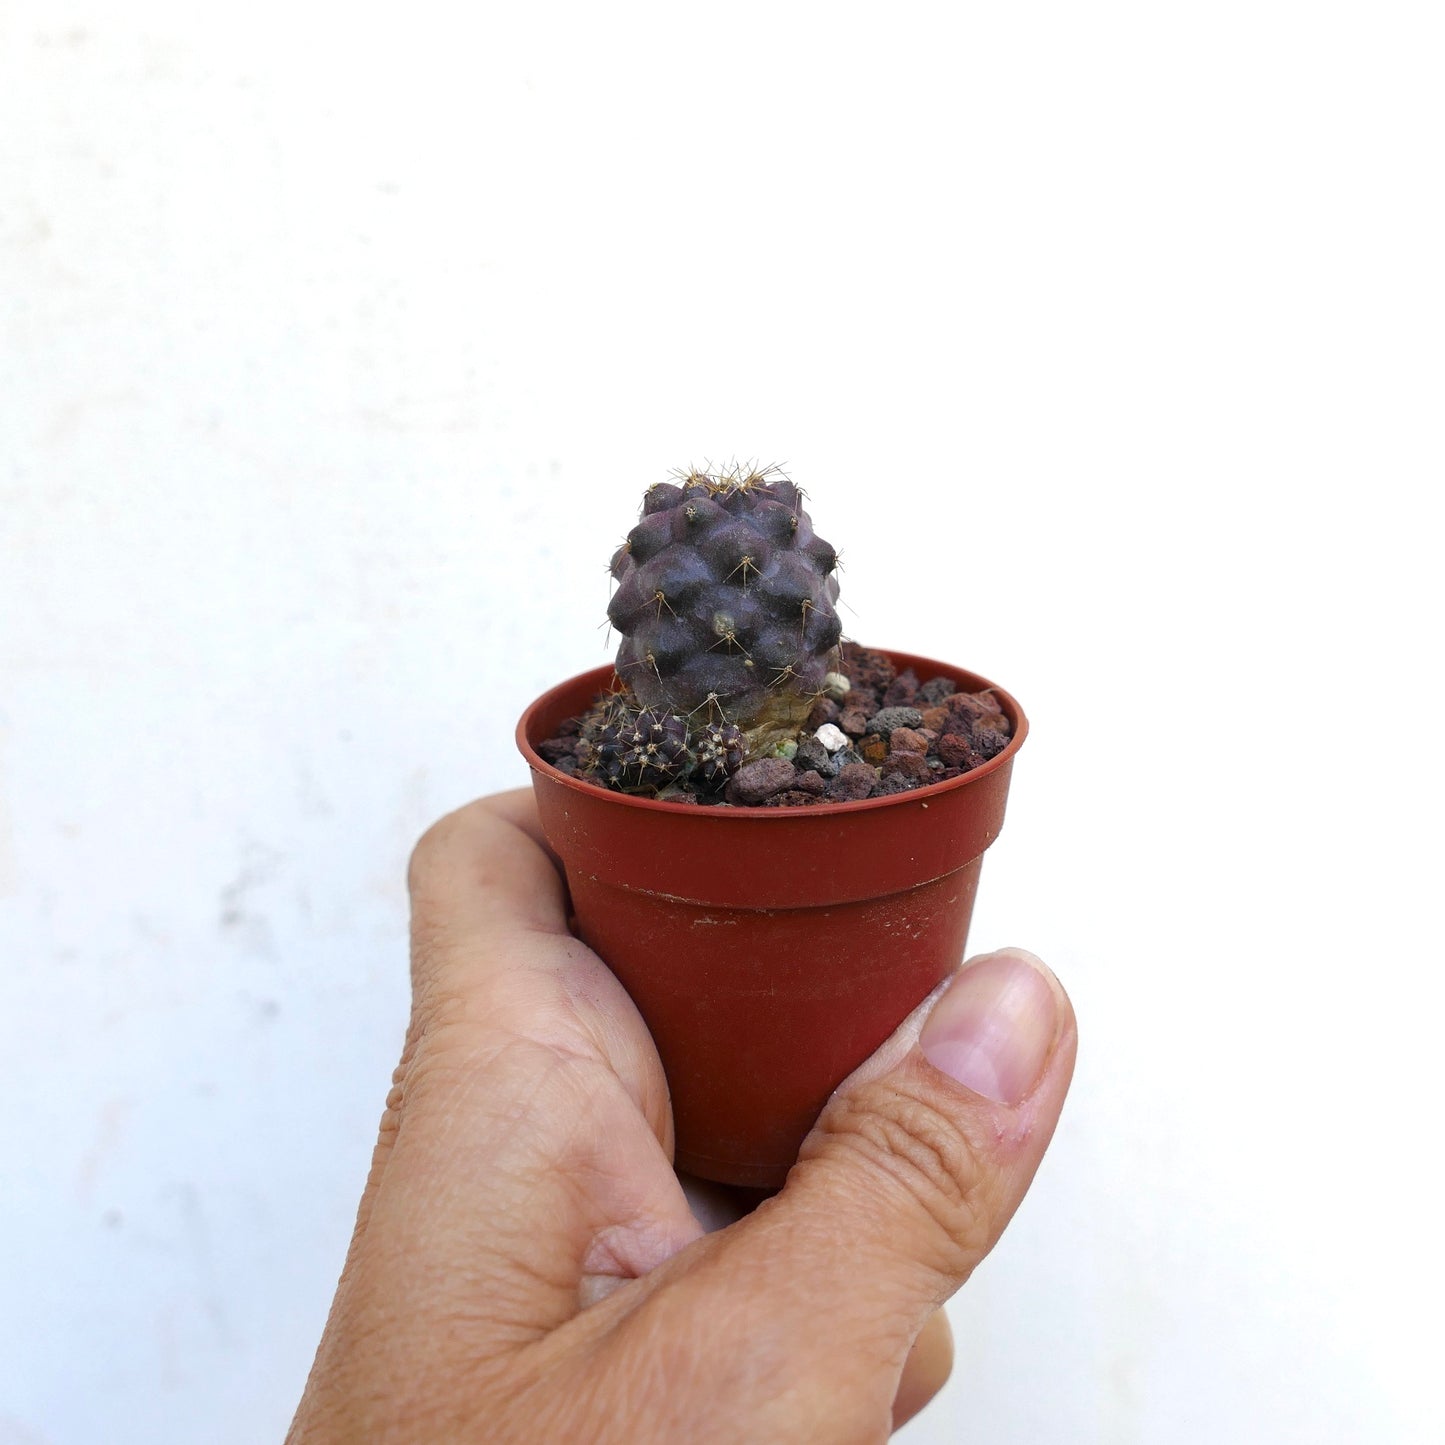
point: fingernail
(994, 1028)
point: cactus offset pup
(731, 662)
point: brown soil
(902, 733)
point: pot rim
(807, 810)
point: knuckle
(457, 830)
(430, 849)
(439, 1032)
(913, 1151)
(431, 942)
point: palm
(523, 1172)
(564, 1092)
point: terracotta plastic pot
(770, 950)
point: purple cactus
(719, 750)
(726, 601)
(655, 751)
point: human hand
(526, 1266)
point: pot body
(770, 950)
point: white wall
(337, 348)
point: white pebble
(831, 737)
(836, 686)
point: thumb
(926, 1150)
(907, 1179)
(924, 1153)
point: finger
(460, 886)
(492, 954)
(924, 1154)
(477, 873)
(523, 1168)
(921, 1158)
(926, 1371)
(930, 1360)
(529, 1130)
(715, 1206)
(938, 1148)
(519, 808)
(904, 1185)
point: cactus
(719, 752)
(726, 601)
(656, 751)
(732, 687)
(603, 732)
(647, 750)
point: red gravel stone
(906, 740)
(989, 742)
(955, 752)
(757, 780)
(854, 722)
(902, 690)
(872, 749)
(936, 689)
(554, 749)
(976, 707)
(854, 781)
(790, 798)
(866, 668)
(810, 782)
(912, 766)
(934, 717)
(825, 710)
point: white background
(338, 345)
